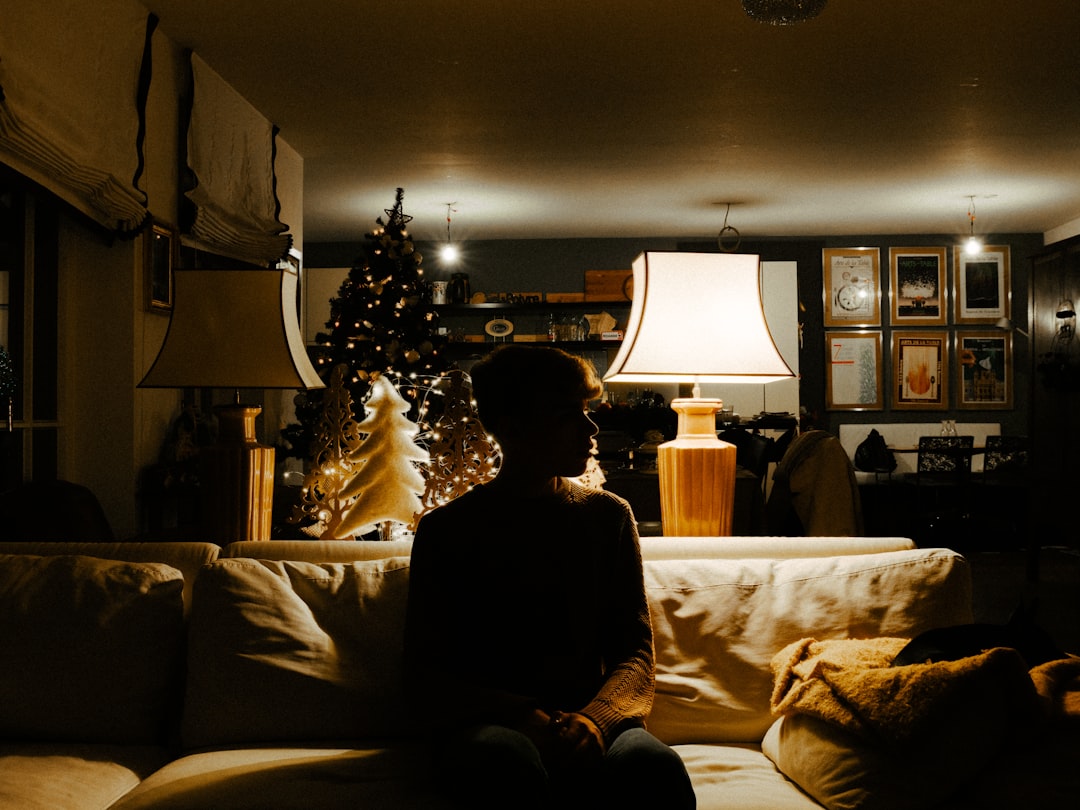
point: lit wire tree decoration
(8, 383)
(463, 454)
(337, 438)
(387, 482)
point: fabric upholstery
(285, 651)
(718, 623)
(301, 777)
(92, 649)
(187, 557)
(50, 776)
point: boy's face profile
(554, 436)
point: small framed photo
(161, 252)
(920, 370)
(982, 286)
(852, 286)
(984, 370)
(853, 371)
(917, 285)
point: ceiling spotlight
(448, 253)
(782, 12)
(973, 244)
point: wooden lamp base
(238, 479)
(697, 474)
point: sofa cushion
(91, 647)
(301, 777)
(73, 776)
(718, 623)
(286, 651)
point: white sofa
(281, 688)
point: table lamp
(234, 329)
(694, 318)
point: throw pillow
(92, 649)
(296, 651)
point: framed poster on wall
(984, 370)
(852, 286)
(920, 370)
(853, 371)
(981, 284)
(917, 285)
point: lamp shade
(697, 317)
(233, 329)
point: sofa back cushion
(294, 651)
(718, 623)
(91, 647)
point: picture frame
(162, 250)
(853, 376)
(852, 286)
(982, 285)
(917, 286)
(984, 370)
(920, 366)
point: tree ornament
(462, 453)
(387, 483)
(337, 439)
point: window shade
(72, 102)
(231, 160)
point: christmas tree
(381, 322)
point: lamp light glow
(698, 318)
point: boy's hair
(513, 378)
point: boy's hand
(578, 740)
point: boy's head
(517, 381)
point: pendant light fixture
(973, 244)
(728, 239)
(449, 254)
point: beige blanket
(852, 684)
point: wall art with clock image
(982, 286)
(920, 370)
(852, 286)
(917, 286)
(854, 371)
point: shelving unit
(467, 321)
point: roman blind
(73, 82)
(230, 158)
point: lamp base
(238, 473)
(697, 474)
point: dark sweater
(523, 603)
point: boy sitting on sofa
(532, 675)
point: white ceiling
(625, 118)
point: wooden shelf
(532, 306)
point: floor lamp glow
(697, 318)
(234, 329)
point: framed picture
(161, 252)
(920, 370)
(984, 370)
(981, 285)
(917, 286)
(853, 378)
(852, 286)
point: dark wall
(558, 265)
